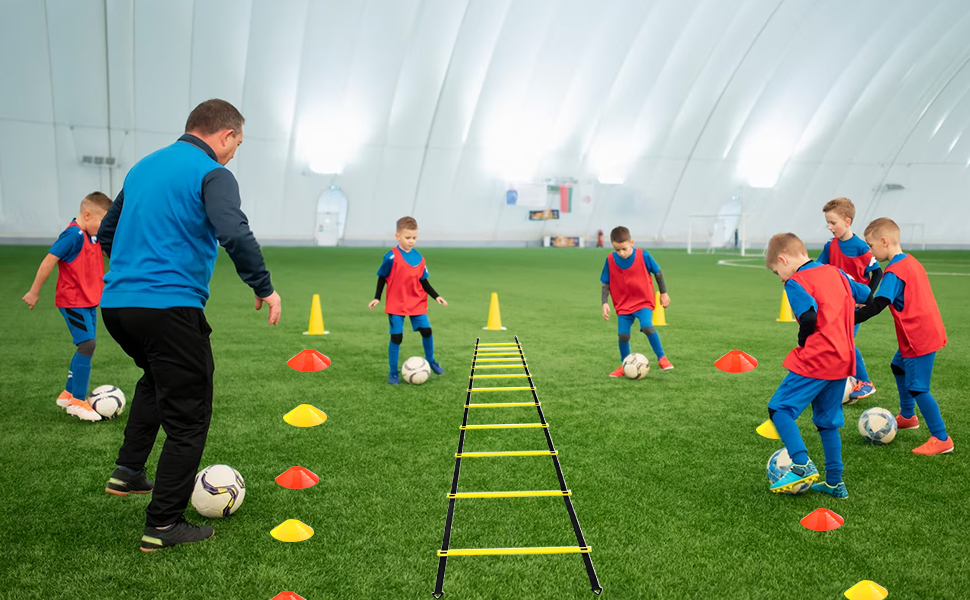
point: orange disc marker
(822, 519)
(309, 361)
(736, 361)
(297, 478)
(288, 596)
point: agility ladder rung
(502, 404)
(540, 550)
(500, 344)
(511, 366)
(501, 389)
(506, 425)
(531, 494)
(499, 375)
(508, 453)
(515, 361)
(477, 354)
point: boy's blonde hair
(96, 200)
(883, 226)
(783, 243)
(620, 235)
(842, 207)
(407, 223)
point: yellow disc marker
(305, 415)
(866, 590)
(292, 530)
(767, 429)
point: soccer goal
(912, 235)
(716, 234)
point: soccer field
(667, 473)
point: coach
(177, 205)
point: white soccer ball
(107, 400)
(219, 491)
(877, 426)
(849, 384)
(415, 370)
(636, 366)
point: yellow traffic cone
(494, 316)
(786, 315)
(316, 318)
(659, 318)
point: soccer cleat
(862, 389)
(618, 372)
(935, 446)
(182, 532)
(664, 364)
(64, 399)
(82, 410)
(836, 491)
(438, 369)
(121, 483)
(797, 476)
(907, 422)
(393, 379)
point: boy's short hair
(842, 207)
(96, 200)
(783, 243)
(213, 116)
(883, 226)
(620, 235)
(405, 223)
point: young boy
(626, 278)
(80, 273)
(919, 330)
(823, 300)
(850, 253)
(408, 288)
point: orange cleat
(618, 372)
(64, 399)
(665, 364)
(82, 410)
(935, 446)
(907, 422)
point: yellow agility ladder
(516, 360)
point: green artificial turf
(667, 473)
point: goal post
(721, 233)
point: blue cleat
(800, 476)
(393, 379)
(836, 491)
(438, 369)
(862, 389)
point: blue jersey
(625, 263)
(801, 301)
(413, 258)
(891, 286)
(70, 243)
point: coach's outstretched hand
(275, 307)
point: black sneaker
(182, 532)
(121, 483)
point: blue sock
(832, 445)
(791, 437)
(907, 405)
(79, 376)
(860, 367)
(393, 352)
(624, 350)
(428, 343)
(931, 413)
(658, 348)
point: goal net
(716, 234)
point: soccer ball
(107, 400)
(778, 466)
(849, 384)
(636, 366)
(219, 491)
(877, 426)
(415, 370)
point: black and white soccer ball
(219, 491)
(415, 370)
(107, 400)
(636, 366)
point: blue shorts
(625, 322)
(796, 392)
(918, 370)
(417, 322)
(83, 323)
